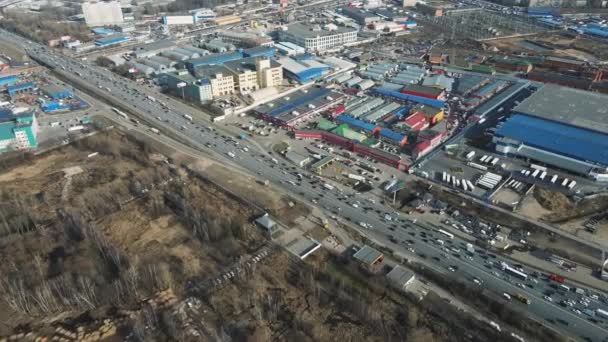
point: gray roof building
(155, 48)
(368, 256)
(401, 277)
(569, 106)
(266, 223)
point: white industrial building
(102, 13)
(317, 38)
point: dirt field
(563, 45)
(126, 245)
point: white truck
(470, 248)
(274, 160)
(328, 186)
(154, 130)
(188, 117)
(230, 154)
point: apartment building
(254, 73)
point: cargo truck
(522, 298)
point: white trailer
(470, 185)
(553, 179)
(458, 182)
(453, 181)
(543, 175)
(76, 128)
(449, 178)
(527, 173)
(494, 161)
(571, 185)
(535, 173)
(477, 166)
(464, 185)
(443, 177)
(523, 171)
(565, 182)
(470, 155)
(483, 159)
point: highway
(345, 205)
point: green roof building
(344, 131)
(17, 131)
(326, 125)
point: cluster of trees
(43, 28)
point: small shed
(401, 277)
(267, 224)
(369, 256)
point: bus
(448, 234)
(557, 278)
(511, 271)
(117, 111)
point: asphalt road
(343, 204)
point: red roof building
(421, 149)
(416, 122)
(431, 136)
(423, 91)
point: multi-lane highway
(399, 234)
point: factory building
(362, 17)
(315, 38)
(259, 51)
(251, 74)
(102, 13)
(289, 49)
(17, 131)
(563, 127)
(220, 78)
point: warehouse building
(153, 49)
(8, 80)
(563, 127)
(315, 38)
(212, 59)
(20, 88)
(303, 70)
(298, 106)
(17, 131)
(55, 92)
(112, 40)
(423, 91)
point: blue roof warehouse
(563, 127)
